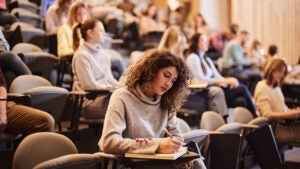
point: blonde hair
(72, 12)
(170, 39)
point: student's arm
(264, 106)
(112, 140)
(193, 62)
(3, 95)
(64, 41)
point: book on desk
(182, 151)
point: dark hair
(146, 69)
(193, 48)
(272, 50)
(276, 64)
(84, 27)
(234, 28)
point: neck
(147, 91)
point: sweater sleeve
(193, 62)
(112, 140)
(64, 43)
(262, 101)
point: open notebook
(174, 156)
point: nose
(169, 83)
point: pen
(168, 133)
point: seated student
(148, 22)
(77, 14)
(272, 53)
(234, 62)
(91, 66)
(175, 41)
(10, 63)
(21, 119)
(270, 103)
(56, 15)
(139, 112)
(202, 68)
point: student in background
(21, 119)
(211, 98)
(270, 103)
(256, 56)
(272, 53)
(202, 68)
(56, 15)
(235, 64)
(77, 14)
(200, 25)
(155, 89)
(148, 22)
(91, 66)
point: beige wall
(271, 22)
(216, 13)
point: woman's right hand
(169, 145)
(231, 82)
(293, 114)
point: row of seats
(52, 150)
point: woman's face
(203, 43)
(81, 15)
(152, 11)
(98, 33)
(67, 4)
(163, 81)
(278, 74)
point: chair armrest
(92, 94)
(249, 126)
(186, 112)
(19, 98)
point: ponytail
(76, 38)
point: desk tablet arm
(19, 98)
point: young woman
(212, 99)
(270, 103)
(138, 113)
(77, 14)
(91, 66)
(148, 22)
(202, 68)
(56, 15)
(200, 25)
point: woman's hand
(231, 82)
(3, 121)
(169, 145)
(293, 114)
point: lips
(164, 89)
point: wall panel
(271, 22)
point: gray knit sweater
(132, 115)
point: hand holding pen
(169, 144)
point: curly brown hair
(146, 69)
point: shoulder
(122, 93)
(192, 56)
(262, 87)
